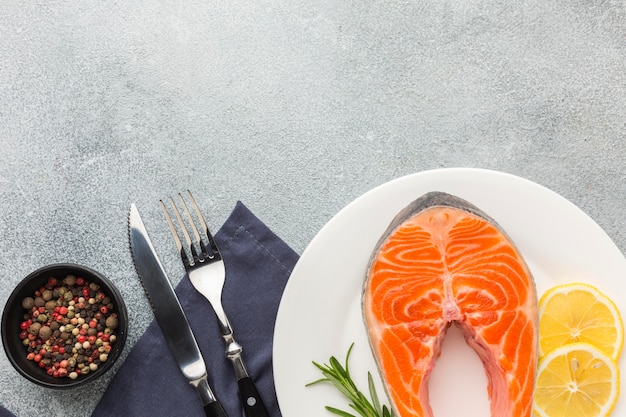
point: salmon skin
(443, 261)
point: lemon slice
(576, 380)
(579, 313)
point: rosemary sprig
(341, 379)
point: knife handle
(212, 406)
(250, 399)
(215, 409)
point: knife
(169, 314)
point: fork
(207, 274)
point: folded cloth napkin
(258, 264)
(5, 413)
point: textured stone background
(294, 107)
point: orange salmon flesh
(443, 261)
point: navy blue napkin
(258, 264)
(5, 413)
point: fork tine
(194, 229)
(203, 224)
(192, 248)
(179, 245)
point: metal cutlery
(169, 314)
(207, 274)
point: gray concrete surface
(293, 107)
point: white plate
(320, 312)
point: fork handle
(250, 399)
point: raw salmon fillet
(443, 261)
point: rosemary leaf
(373, 394)
(339, 412)
(339, 376)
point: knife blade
(169, 314)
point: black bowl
(13, 315)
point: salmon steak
(443, 261)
